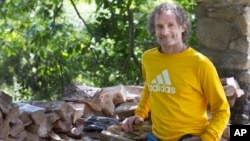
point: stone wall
(223, 30)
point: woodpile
(84, 113)
(66, 119)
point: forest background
(46, 45)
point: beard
(168, 41)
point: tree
(42, 51)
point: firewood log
(231, 81)
(230, 94)
(62, 108)
(54, 136)
(17, 129)
(125, 109)
(5, 129)
(32, 137)
(52, 116)
(42, 130)
(78, 110)
(62, 126)
(79, 93)
(25, 118)
(1, 117)
(79, 122)
(109, 97)
(109, 136)
(36, 113)
(5, 102)
(134, 93)
(14, 114)
(226, 133)
(75, 132)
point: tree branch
(88, 29)
(55, 14)
(131, 39)
(79, 15)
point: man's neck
(173, 49)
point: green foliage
(189, 5)
(44, 47)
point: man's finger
(130, 123)
(126, 125)
(138, 120)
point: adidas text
(162, 88)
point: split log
(17, 130)
(88, 111)
(32, 137)
(79, 93)
(13, 115)
(21, 136)
(92, 109)
(62, 126)
(231, 81)
(78, 110)
(230, 94)
(5, 129)
(52, 116)
(94, 106)
(1, 117)
(5, 102)
(65, 137)
(62, 108)
(54, 136)
(89, 136)
(42, 130)
(226, 133)
(25, 118)
(75, 132)
(36, 113)
(126, 109)
(134, 93)
(79, 122)
(109, 136)
(11, 139)
(109, 97)
(139, 131)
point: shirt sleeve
(144, 104)
(218, 104)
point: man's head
(181, 18)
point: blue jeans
(151, 137)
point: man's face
(168, 31)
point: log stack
(84, 113)
(64, 119)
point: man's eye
(171, 25)
(159, 26)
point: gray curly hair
(181, 17)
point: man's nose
(165, 31)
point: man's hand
(127, 124)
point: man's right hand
(127, 124)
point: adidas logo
(162, 83)
(162, 78)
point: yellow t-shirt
(177, 90)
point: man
(180, 83)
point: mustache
(172, 36)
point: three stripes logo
(162, 78)
(162, 83)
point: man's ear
(183, 28)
